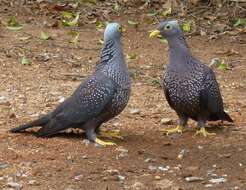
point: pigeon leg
(92, 136)
(179, 128)
(202, 130)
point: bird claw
(111, 134)
(204, 132)
(104, 143)
(177, 129)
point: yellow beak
(155, 33)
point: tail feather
(39, 122)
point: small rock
(4, 165)
(166, 168)
(121, 178)
(135, 111)
(78, 177)
(182, 153)
(218, 180)
(4, 101)
(208, 185)
(87, 142)
(137, 186)
(166, 184)
(193, 179)
(166, 121)
(84, 157)
(152, 168)
(157, 177)
(123, 152)
(17, 186)
(200, 147)
(112, 172)
(33, 182)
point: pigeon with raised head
(190, 87)
(100, 98)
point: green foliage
(70, 19)
(44, 35)
(25, 61)
(13, 24)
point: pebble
(136, 186)
(4, 101)
(182, 153)
(17, 186)
(4, 165)
(87, 142)
(33, 182)
(157, 177)
(152, 168)
(135, 111)
(166, 184)
(218, 180)
(121, 178)
(123, 152)
(166, 121)
(166, 168)
(193, 179)
(78, 177)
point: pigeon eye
(120, 29)
(168, 27)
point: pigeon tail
(226, 117)
(39, 122)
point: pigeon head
(113, 31)
(167, 29)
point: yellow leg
(104, 143)
(111, 134)
(177, 129)
(204, 132)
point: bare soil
(65, 162)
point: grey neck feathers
(179, 53)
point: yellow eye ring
(168, 27)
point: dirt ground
(146, 158)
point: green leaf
(99, 25)
(223, 66)
(75, 37)
(152, 14)
(131, 56)
(116, 7)
(186, 27)
(12, 24)
(240, 22)
(44, 35)
(67, 15)
(167, 12)
(73, 22)
(25, 61)
(100, 41)
(24, 38)
(131, 22)
(14, 27)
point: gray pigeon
(190, 87)
(101, 97)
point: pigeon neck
(178, 43)
(112, 55)
(179, 53)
